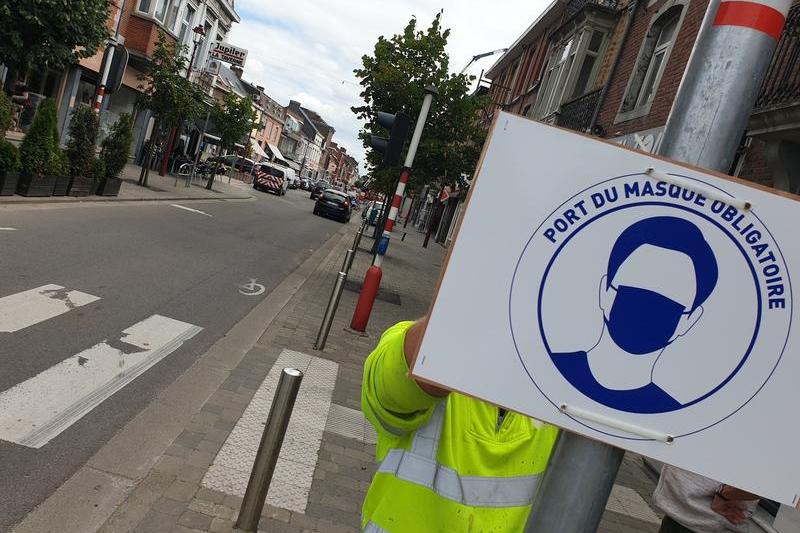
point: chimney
(237, 70)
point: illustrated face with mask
(659, 273)
(649, 301)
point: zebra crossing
(36, 410)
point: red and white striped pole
(722, 81)
(372, 279)
(101, 89)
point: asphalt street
(188, 262)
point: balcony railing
(573, 6)
(577, 114)
(782, 84)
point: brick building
(613, 68)
(340, 167)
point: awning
(293, 165)
(258, 151)
(276, 154)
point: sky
(306, 50)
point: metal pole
(714, 102)
(575, 487)
(190, 180)
(722, 81)
(330, 311)
(348, 258)
(268, 450)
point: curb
(85, 501)
(101, 199)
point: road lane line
(23, 309)
(8, 229)
(191, 210)
(298, 456)
(37, 410)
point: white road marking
(27, 308)
(251, 288)
(37, 410)
(298, 457)
(191, 210)
(8, 229)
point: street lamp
(481, 56)
(199, 32)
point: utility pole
(109, 59)
(372, 279)
(715, 99)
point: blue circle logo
(650, 299)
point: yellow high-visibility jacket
(447, 465)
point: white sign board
(228, 53)
(651, 311)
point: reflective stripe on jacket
(446, 465)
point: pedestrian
(692, 503)
(448, 463)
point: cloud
(306, 50)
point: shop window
(651, 63)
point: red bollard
(372, 280)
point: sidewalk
(195, 483)
(158, 188)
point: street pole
(109, 59)
(715, 99)
(199, 148)
(372, 278)
(269, 449)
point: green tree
(40, 142)
(167, 93)
(117, 146)
(233, 120)
(394, 78)
(49, 32)
(83, 127)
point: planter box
(82, 187)
(62, 186)
(8, 183)
(29, 185)
(109, 187)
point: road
(79, 288)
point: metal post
(722, 81)
(714, 102)
(190, 180)
(330, 311)
(268, 450)
(576, 485)
(348, 259)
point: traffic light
(398, 126)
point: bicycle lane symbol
(251, 288)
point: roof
(323, 127)
(232, 81)
(544, 21)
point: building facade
(139, 25)
(612, 68)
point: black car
(334, 204)
(316, 190)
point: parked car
(242, 164)
(305, 184)
(294, 183)
(318, 188)
(334, 204)
(270, 179)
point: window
(572, 69)
(651, 63)
(144, 6)
(184, 37)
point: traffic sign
(627, 298)
(228, 53)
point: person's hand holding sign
(410, 347)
